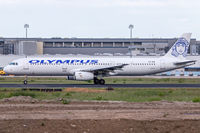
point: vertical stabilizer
(180, 48)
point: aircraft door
(26, 67)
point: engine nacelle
(112, 73)
(81, 76)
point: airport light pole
(131, 29)
(26, 26)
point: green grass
(119, 94)
(110, 80)
(196, 99)
(66, 101)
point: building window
(141, 49)
(118, 44)
(1, 44)
(161, 49)
(78, 44)
(68, 44)
(58, 44)
(48, 44)
(87, 44)
(96, 44)
(137, 43)
(127, 44)
(107, 44)
(8, 49)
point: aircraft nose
(6, 70)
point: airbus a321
(95, 68)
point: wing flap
(105, 69)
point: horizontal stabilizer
(185, 62)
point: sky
(100, 18)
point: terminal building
(91, 46)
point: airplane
(95, 68)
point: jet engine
(81, 76)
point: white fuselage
(69, 65)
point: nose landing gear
(25, 81)
(99, 81)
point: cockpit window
(13, 63)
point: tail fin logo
(180, 47)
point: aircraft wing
(185, 62)
(104, 70)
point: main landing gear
(99, 81)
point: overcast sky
(99, 18)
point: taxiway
(100, 86)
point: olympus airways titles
(63, 61)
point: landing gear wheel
(96, 81)
(101, 81)
(25, 82)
